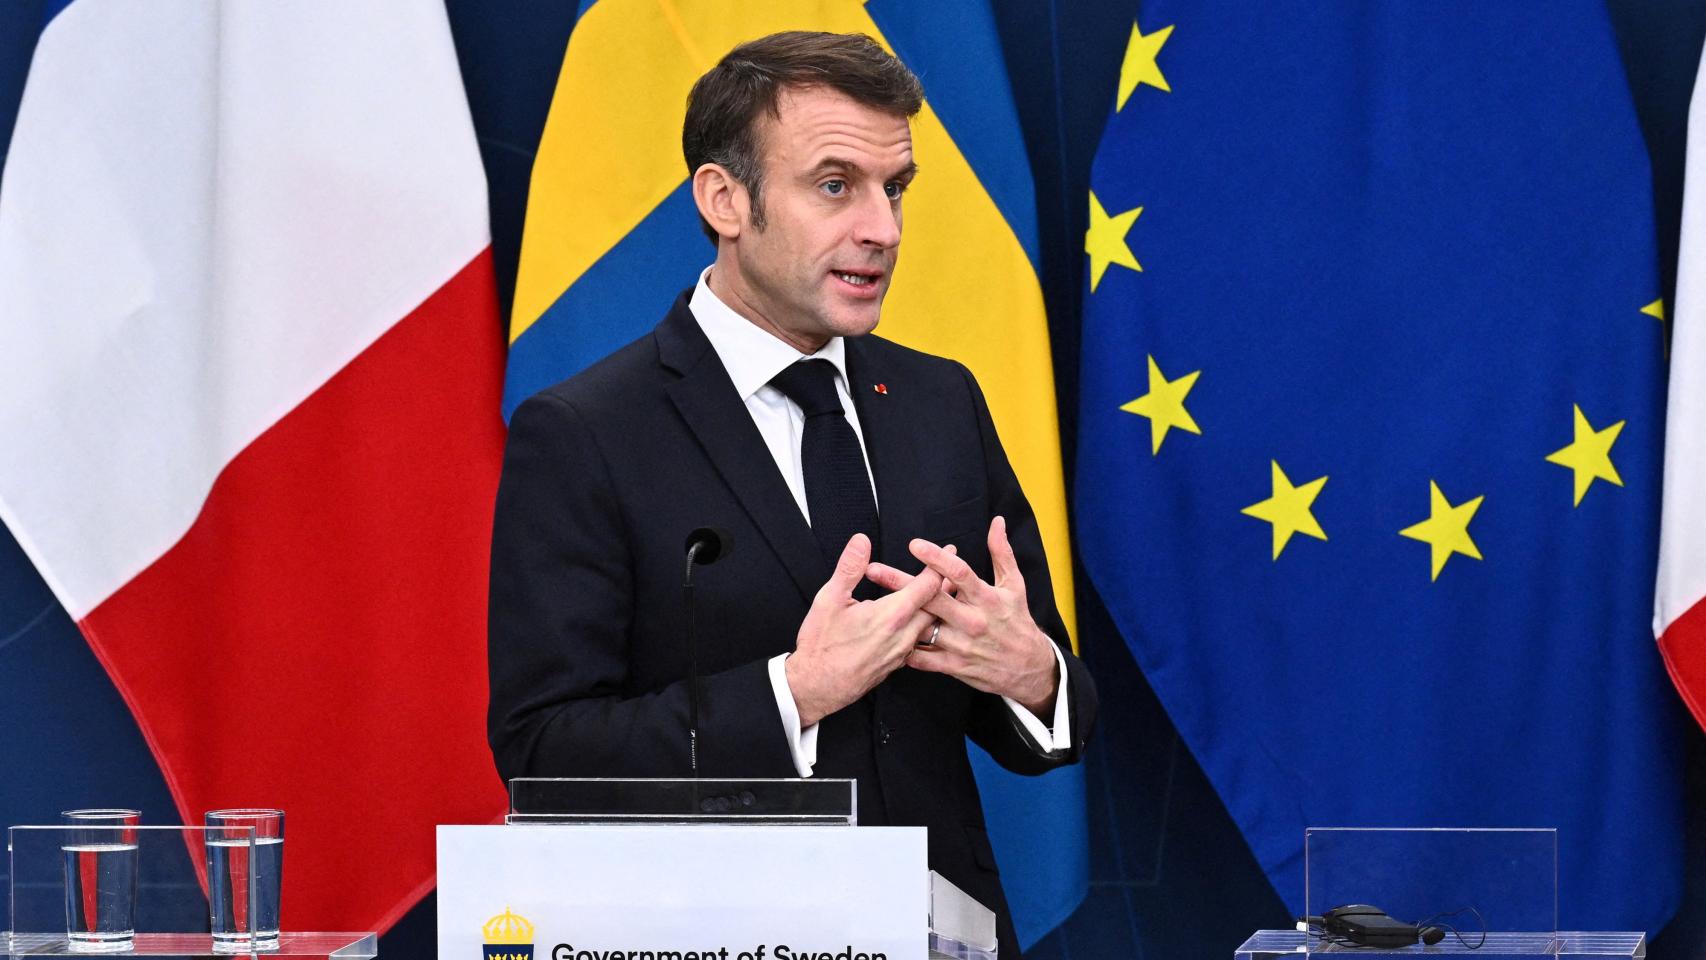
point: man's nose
(879, 222)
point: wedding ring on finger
(935, 630)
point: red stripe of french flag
(1683, 644)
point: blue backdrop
(1171, 877)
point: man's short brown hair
(724, 106)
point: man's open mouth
(858, 279)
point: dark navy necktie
(838, 488)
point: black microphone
(705, 546)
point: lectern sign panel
(604, 892)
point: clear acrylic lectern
(1491, 894)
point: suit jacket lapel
(890, 421)
(707, 400)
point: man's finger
(963, 617)
(945, 561)
(943, 606)
(849, 569)
(891, 578)
(886, 576)
(917, 626)
(915, 594)
(1001, 556)
(930, 659)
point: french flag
(250, 377)
(1679, 614)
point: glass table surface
(291, 944)
(1272, 944)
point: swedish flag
(1371, 407)
(612, 235)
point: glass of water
(100, 879)
(232, 865)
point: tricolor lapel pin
(881, 388)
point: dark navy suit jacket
(605, 475)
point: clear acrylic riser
(776, 802)
(328, 945)
(1277, 944)
(943, 948)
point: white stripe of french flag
(1679, 616)
(250, 369)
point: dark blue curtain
(1171, 877)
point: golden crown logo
(508, 936)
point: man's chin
(859, 329)
(856, 322)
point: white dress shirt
(752, 357)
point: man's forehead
(816, 123)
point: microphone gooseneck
(705, 546)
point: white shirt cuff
(1047, 740)
(803, 743)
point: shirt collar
(752, 356)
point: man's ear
(721, 199)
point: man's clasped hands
(945, 619)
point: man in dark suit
(887, 595)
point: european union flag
(1372, 404)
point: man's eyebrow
(833, 165)
(843, 165)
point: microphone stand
(692, 668)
